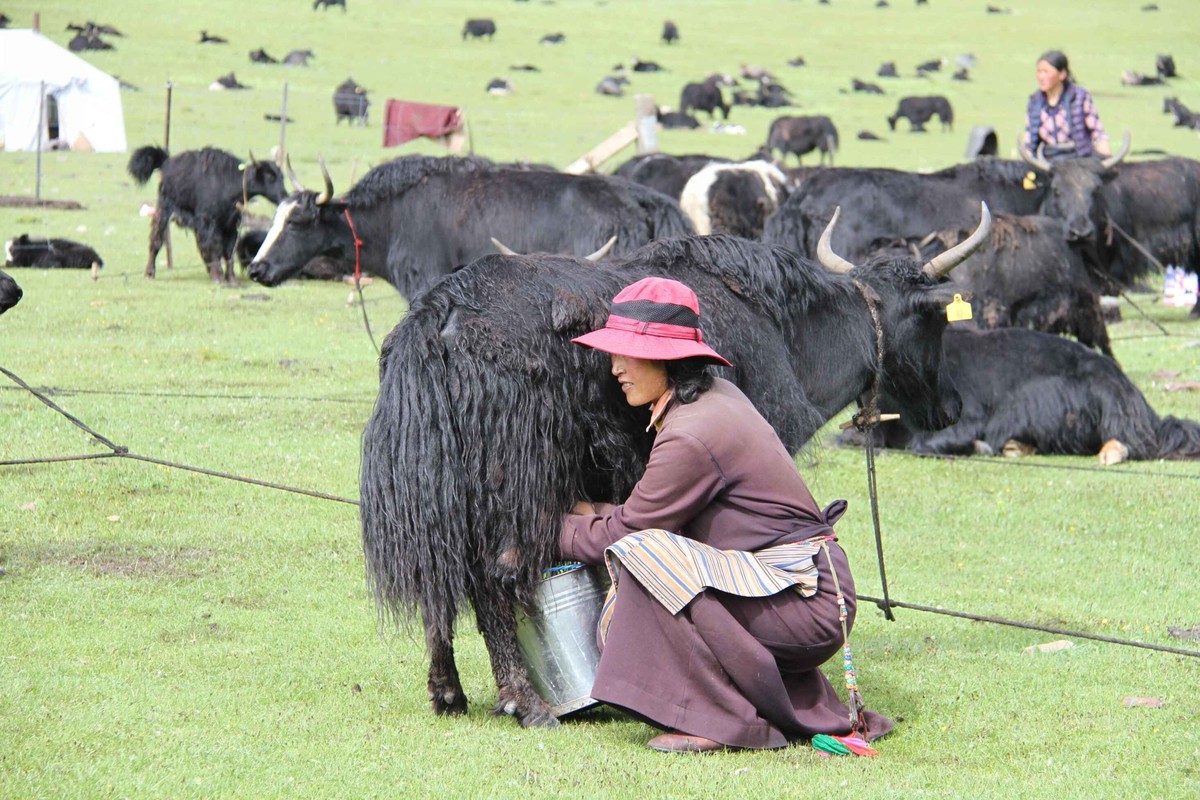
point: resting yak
(204, 190)
(418, 218)
(489, 423)
(1026, 391)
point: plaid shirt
(1054, 125)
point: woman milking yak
(729, 587)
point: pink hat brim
(650, 348)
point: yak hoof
(531, 710)
(1113, 452)
(1014, 449)
(449, 704)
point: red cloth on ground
(404, 121)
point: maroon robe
(740, 671)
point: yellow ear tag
(1029, 182)
(958, 310)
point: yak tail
(144, 161)
(1178, 438)
(413, 501)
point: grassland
(168, 634)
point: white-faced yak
(489, 423)
(419, 218)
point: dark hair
(1056, 59)
(691, 377)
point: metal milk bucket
(557, 636)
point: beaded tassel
(856, 742)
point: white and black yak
(419, 218)
(204, 190)
(734, 198)
(489, 423)
(10, 292)
(1031, 392)
(665, 173)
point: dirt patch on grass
(125, 561)
(14, 201)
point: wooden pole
(646, 114)
(37, 22)
(167, 147)
(283, 127)
(37, 192)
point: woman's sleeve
(1091, 119)
(680, 480)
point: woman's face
(1049, 78)
(642, 381)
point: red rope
(358, 243)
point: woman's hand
(583, 507)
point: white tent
(82, 102)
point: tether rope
(69, 391)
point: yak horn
(253, 160)
(504, 249)
(825, 255)
(1028, 157)
(292, 176)
(602, 252)
(327, 194)
(1115, 159)
(939, 266)
(916, 252)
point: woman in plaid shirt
(1062, 116)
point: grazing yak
(479, 28)
(489, 423)
(418, 218)
(325, 4)
(203, 190)
(670, 32)
(24, 251)
(10, 292)
(800, 135)
(919, 110)
(706, 96)
(734, 198)
(1024, 391)
(350, 103)
(664, 172)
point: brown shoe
(683, 743)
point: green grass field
(169, 634)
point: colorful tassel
(842, 746)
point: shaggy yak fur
(419, 218)
(489, 423)
(10, 292)
(203, 190)
(1027, 275)
(1049, 393)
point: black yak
(919, 110)
(800, 135)
(321, 268)
(25, 251)
(1027, 275)
(1048, 395)
(664, 172)
(418, 218)
(489, 422)
(203, 190)
(10, 292)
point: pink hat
(654, 319)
